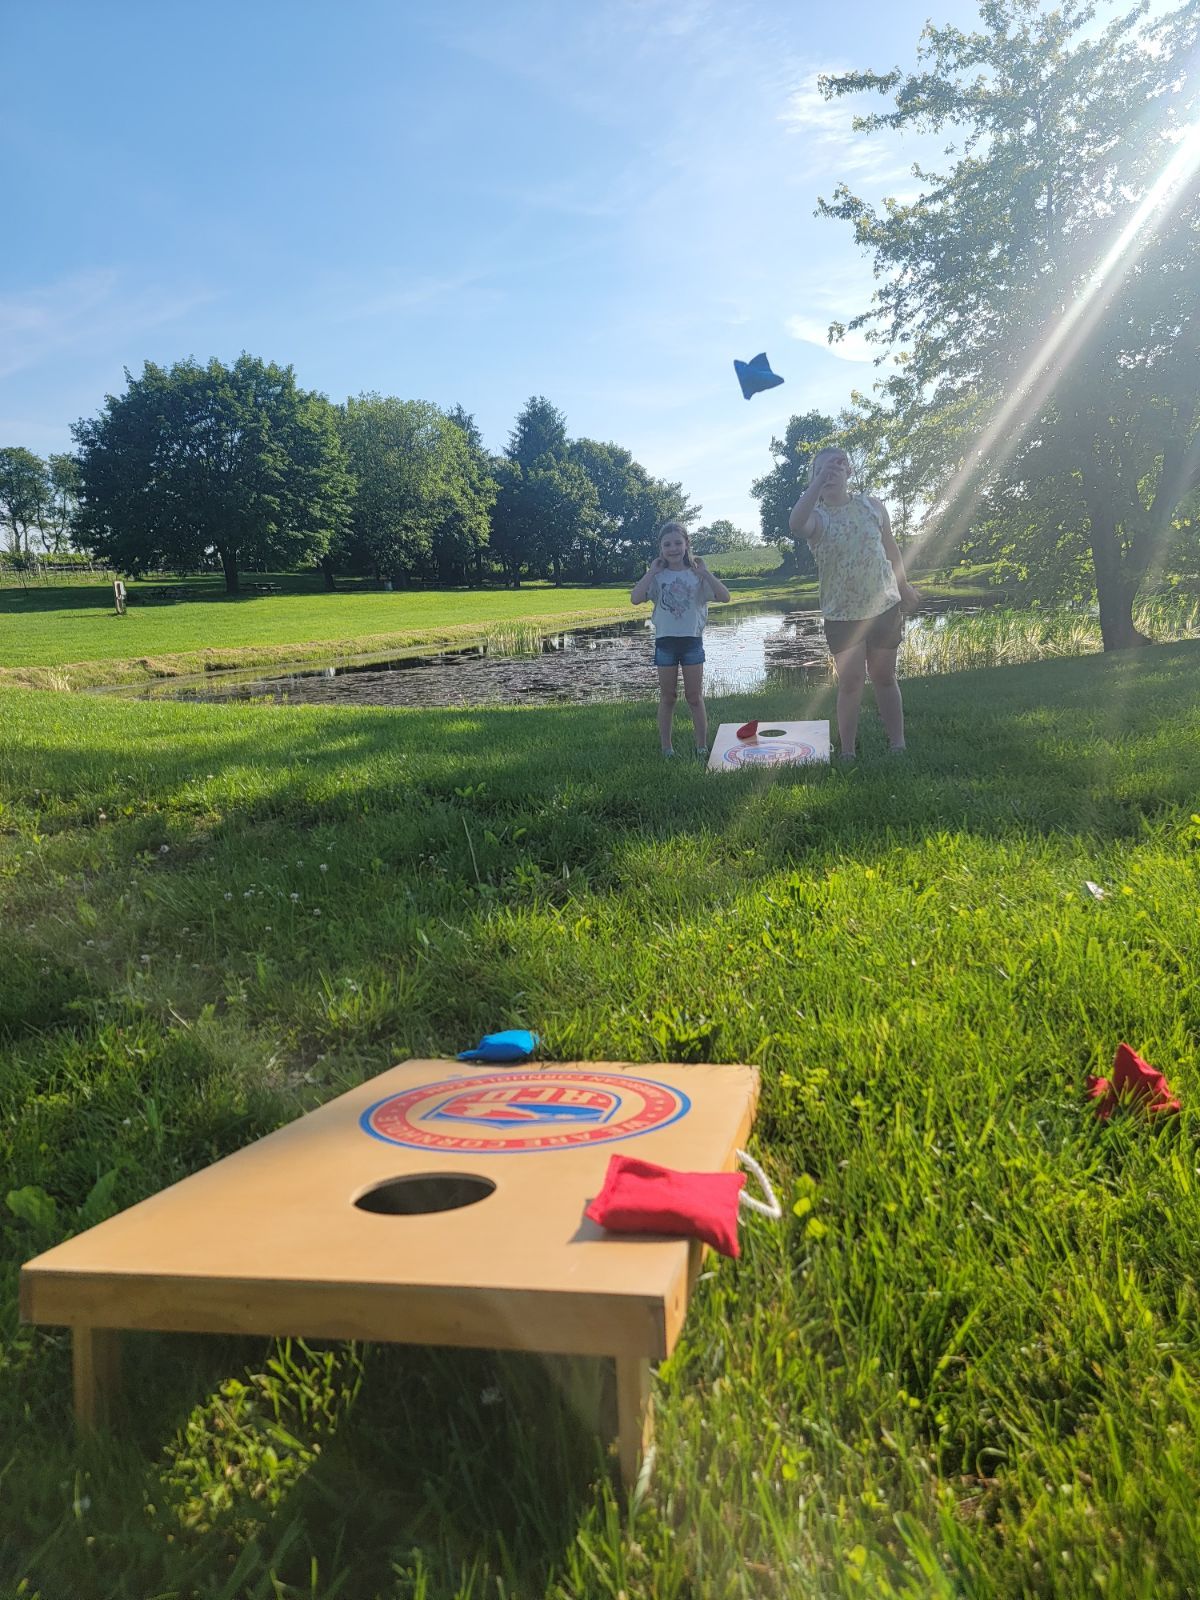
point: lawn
(71, 637)
(966, 1365)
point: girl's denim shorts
(682, 650)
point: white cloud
(833, 143)
(92, 311)
(853, 347)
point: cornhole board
(776, 744)
(279, 1238)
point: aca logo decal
(511, 1111)
(768, 755)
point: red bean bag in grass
(1135, 1084)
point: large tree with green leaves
(778, 490)
(419, 502)
(24, 494)
(631, 506)
(195, 462)
(1042, 287)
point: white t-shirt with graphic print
(680, 607)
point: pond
(745, 650)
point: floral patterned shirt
(855, 576)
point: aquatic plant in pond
(961, 641)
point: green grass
(70, 638)
(965, 1365)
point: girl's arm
(802, 522)
(707, 581)
(910, 599)
(641, 589)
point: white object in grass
(776, 744)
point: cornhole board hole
(776, 744)
(436, 1204)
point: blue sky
(603, 202)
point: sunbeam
(1050, 359)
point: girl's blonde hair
(828, 450)
(677, 527)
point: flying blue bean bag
(755, 375)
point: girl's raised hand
(698, 566)
(656, 566)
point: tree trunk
(229, 567)
(1115, 590)
(327, 572)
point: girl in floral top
(864, 592)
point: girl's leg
(881, 668)
(851, 667)
(693, 690)
(667, 679)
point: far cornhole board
(776, 744)
(275, 1239)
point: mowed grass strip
(966, 1364)
(77, 633)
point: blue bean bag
(755, 375)
(517, 1044)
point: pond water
(744, 651)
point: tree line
(196, 466)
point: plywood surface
(776, 744)
(270, 1240)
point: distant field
(55, 628)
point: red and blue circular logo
(513, 1111)
(776, 754)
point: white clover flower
(293, 898)
(145, 960)
(164, 849)
(324, 866)
(229, 896)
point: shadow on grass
(260, 1463)
(1089, 746)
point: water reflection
(614, 662)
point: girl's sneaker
(667, 754)
(702, 752)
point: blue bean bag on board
(516, 1044)
(755, 375)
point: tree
(1043, 288)
(720, 536)
(461, 537)
(539, 431)
(414, 490)
(24, 491)
(562, 509)
(631, 506)
(62, 501)
(778, 490)
(194, 462)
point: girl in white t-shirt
(681, 586)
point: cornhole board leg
(96, 1367)
(634, 1416)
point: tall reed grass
(959, 642)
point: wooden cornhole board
(271, 1241)
(776, 744)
